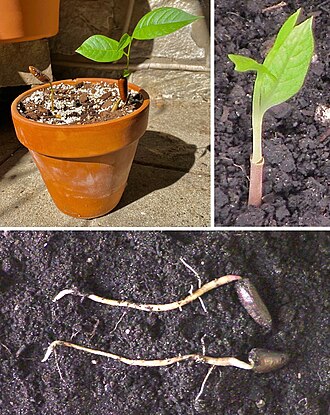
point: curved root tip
(62, 294)
(50, 350)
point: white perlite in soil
(84, 103)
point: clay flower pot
(23, 20)
(85, 167)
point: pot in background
(24, 20)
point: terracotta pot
(85, 167)
(23, 20)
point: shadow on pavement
(161, 160)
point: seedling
(246, 292)
(44, 79)
(279, 78)
(260, 360)
(156, 23)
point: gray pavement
(169, 184)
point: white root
(199, 281)
(62, 294)
(200, 393)
(218, 282)
(214, 361)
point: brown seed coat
(252, 302)
(264, 361)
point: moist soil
(83, 103)
(289, 270)
(296, 133)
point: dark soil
(289, 269)
(84, 103)
(296, 133)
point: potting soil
(295, 134)
(84, 103)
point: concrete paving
(169, 184)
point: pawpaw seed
(252, 302)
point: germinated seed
(252, 302)
(264, 361)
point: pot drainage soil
(84, 103)
(296, 133)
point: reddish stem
(123, 88)
(256, 176)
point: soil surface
(84, 103)
(296, 133)
(289, 270)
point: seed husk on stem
(44, 79)
(123, 88)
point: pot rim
(15, 113)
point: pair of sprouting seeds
(260, 360)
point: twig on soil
(6, 348)
(274, 7)
(236, 165)
(214, 361)
(325, 135)
(235, 14)
(20, 350)
(218, 282)
(97, 322)
(324, 3)
(58, 367)
(204, 383)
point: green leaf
(243, 64)
(101, 48)
(124, 41)
(285, 30)
(288, 60)
(161, 22)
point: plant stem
(155, 307)
(257, 135)
(128, 55)
(257, 161)
(215, 361)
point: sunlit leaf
(161, 22)
(100, 48)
